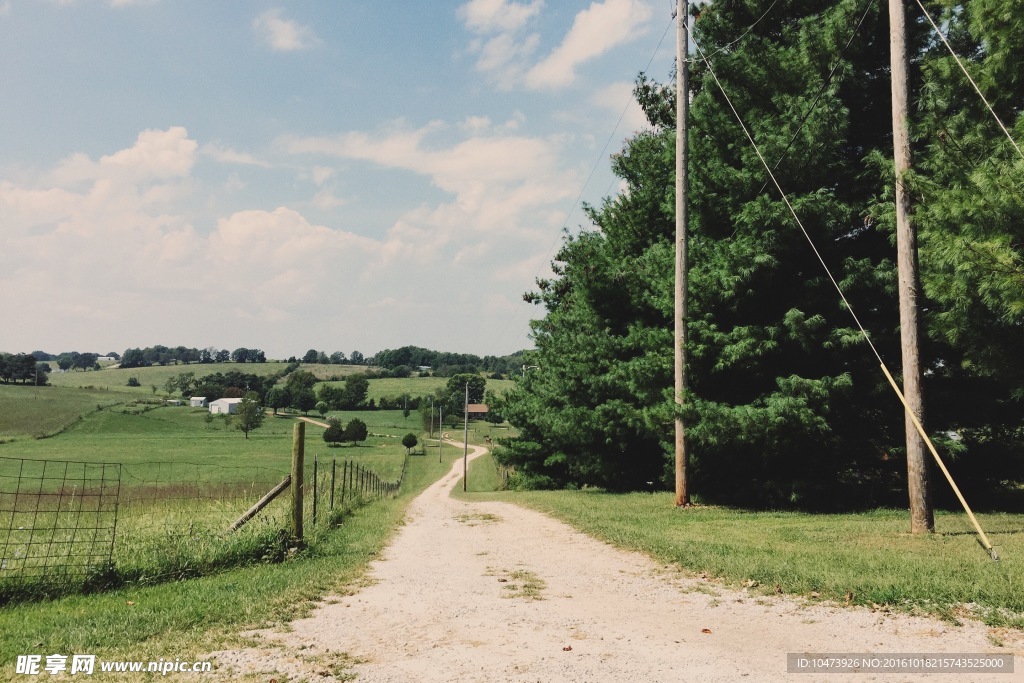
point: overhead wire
(969, 78)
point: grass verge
(866, 559)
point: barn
(226, 406)
(198, 402)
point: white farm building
(197, 402)
(227, 406)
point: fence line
(67, 524)
(358, 482)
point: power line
(973, 84)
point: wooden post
(922, 518)
(298, 455)
(682, 217)
(316, 487)
(334, 470)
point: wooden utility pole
(922, 518)
(682, 220)
(465, 441)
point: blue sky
(339, 175)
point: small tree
(409, 441)
(355, 431)
(334, 434)
(250, 413)
(322, 408)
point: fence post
(316, 485)
(334, 469)
(298, 455)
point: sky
(331, 174)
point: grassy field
(188, 618)
(864, 559)
(35, 412)
(183, 479)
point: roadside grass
(189, 618)
(37, 412)
(866, 559)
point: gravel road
(485, 591)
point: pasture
(181, 477)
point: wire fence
(341, 484)
(60, 517)
(69, 524)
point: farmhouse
(477, 411)
(227, 406)
(198, 402)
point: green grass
(36, 412)
(189, 618)
(868, 558)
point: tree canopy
(786, 406)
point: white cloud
(283, 35)
(491, 16)
(595, 30)
(114, 244)
(226, 155)
(502, 51)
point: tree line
(787, 406)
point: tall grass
(194, 616)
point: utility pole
(682, 221)
(465, 440)
(922, 518)
(440, 429)
(431, 417)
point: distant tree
(409, 441)
(240, 355)
(171, 385)
(356, 358)
(322, 358)
(277, 397)
(42, 374)
(310, 357)
(222, 356)
(250, 413)
(304, 399)
(154, 388)
(356, 389)
(356, 431)
(300, 379)
(322, 408)
(338, 358)
(334, 434)
(133, 382)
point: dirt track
(493, 592)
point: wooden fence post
(334, 469)
(298, 455)
(316, 485)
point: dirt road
(492, 592)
